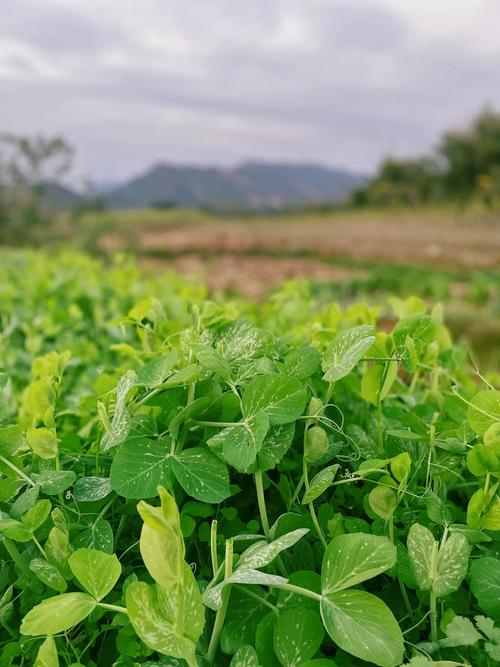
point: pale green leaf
(96, 571)
(57, 614)
(320, 483)
(47, 654)
(353, 558)
(364, 626)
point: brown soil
(440, 242)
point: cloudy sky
(341, 82)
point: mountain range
(249, 186)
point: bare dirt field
(409, 238)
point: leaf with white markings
(298, 634)
(320, 483)
(353, 558)
(96, 571)
(140, 466)
(57, 614)
(202, 475)
(364, 626)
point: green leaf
(57, 614)
(298, 634)
(96, 571)
(364, 626)
(152, 621)
(275, 445)
(302, 362)
(213, 361)
(91, 489)
(47, 654)
(282, 398)
(241, 341)
(98, 536)
(140, 466)
(37, 515)
(245, 656)
(155, 371)
(242, 618)
(383, 501)
(353, 558)
(348, 348)
(202, 475)
(261, 554)
(239, 445)
(48, 574)
(121, 422)
(437, 568)
(54, 482)
(460, 632)
(43, 441)
(320, 483)
(485, 584)
(484, 411)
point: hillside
(252, 185)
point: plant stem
(19, 473)
(434, 617)
(221, 612)
(13, 552)
(112, 607)
(262, 502)
(380, 434)
(213, 547)
(305, 476)
(299, 590)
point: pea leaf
(281, 398)
(261, 554)
(348, 348)
(91, 489)
(353, 558)
(245, 656)
(47, 654)
(153, 623)
(57, 614)
(485, 584)
(298, 634)
(320, 483)
(96, 571)
(239, 445)
(440, 569)
(484, 411)
(302, 362)
(364, 626)
(202, 475)
(48, 574)
(140, 466)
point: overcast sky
(341, 82)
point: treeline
(464, 167)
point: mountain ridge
(251, 185)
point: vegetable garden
(196, 482)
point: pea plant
(191, 483)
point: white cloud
(337, 81)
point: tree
(27, 165)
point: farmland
(202, 466)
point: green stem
(221, 612)
(200, 422)
(112, 607)
(299, 590)
(213, 547)
(434, 617)
(380, 434)
(262, 502)
(18, 472)
(13, 552)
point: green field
(196, 480)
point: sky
(338, 82)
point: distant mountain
(59, 196)
(252, 185)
